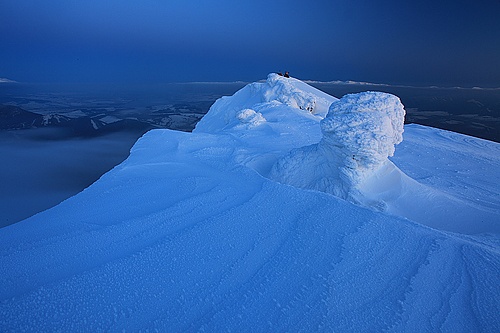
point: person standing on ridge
(287, 74)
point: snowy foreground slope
(215, 230)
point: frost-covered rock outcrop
(359, 134)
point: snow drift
(191, 234)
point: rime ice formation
(190, 233)
(364, 128)
(359, 134)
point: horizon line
(349, 82)
(363, 83)
(308, 81)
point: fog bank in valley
(43, 172)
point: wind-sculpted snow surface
(189, 235)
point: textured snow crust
(190, 233)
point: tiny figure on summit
(280, 74)
(286, 74)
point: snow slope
(191, 234)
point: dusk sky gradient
(450, 43)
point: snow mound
(295, 93)
(359, 134)
(275, 91)
(250, 118)
(364, 128)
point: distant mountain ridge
(16, 118)
(13, 117)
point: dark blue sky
(148, 41)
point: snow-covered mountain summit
(200, 232)
(293, 133)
